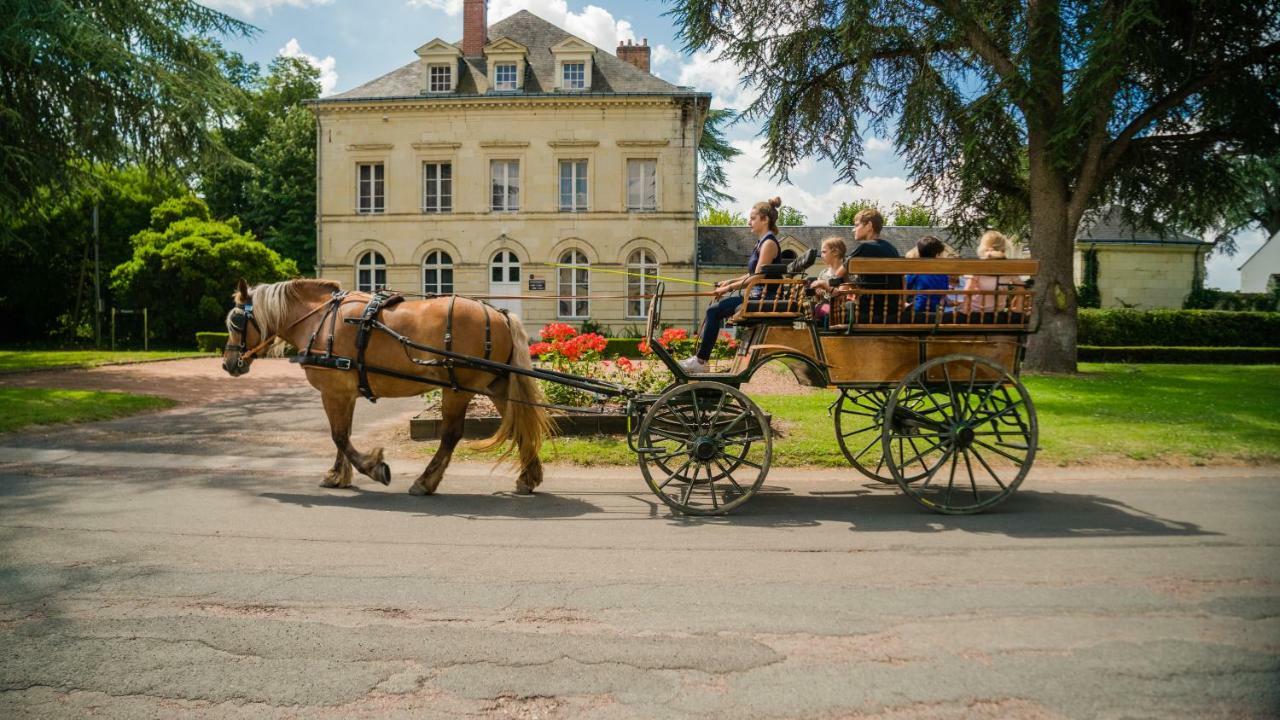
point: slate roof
(1108, 226)
(731, 246)
(609, 75)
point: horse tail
(524, 423)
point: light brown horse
(293, 311)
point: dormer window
(441, 79)
(575, 76)
(504, 77)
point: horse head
(242, 331)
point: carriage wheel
(705, 448)
(966, 427)
(859, 417)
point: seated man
(867, 225)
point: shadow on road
(542, 505)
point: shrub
(1208, 355)
(624, 347)
(211, 341)
(1178, 328)
(1211, 299)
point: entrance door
(504, 279)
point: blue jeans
(717, 313)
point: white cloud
(594, 24)
(250, 7)
(661, 57)
(722, 78)
(876, 144)
(327, 66)
(449, 7)
(818, 200)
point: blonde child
(833, 274)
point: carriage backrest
(1005, 305)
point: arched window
(437, 273)
(642, 271)
(371, 272)
(504, 268)
(575, 284)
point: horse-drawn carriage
(929, 399)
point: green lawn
(24, 360)
(1179, 413)
(20, 407)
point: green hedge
(1173, 355)
(1179, 328)
(624, 347)
(211, 341)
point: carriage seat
(779, 297)
(866, 318)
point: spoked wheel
(965, 428)
(704, 448)
(859, 420)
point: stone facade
(383, 150)
(1138, 268)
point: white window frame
(507, 204)
(443, 199)
(375, 184)
(579, 177)
(507, 263)
(439, 262)
(501, 86)
(574, 282)
(642, 271)
(637, 203)
(372, 262)
(433, 76)
(575, 83)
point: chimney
(475, 27)
(637, 55)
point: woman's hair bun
(775, 201)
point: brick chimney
(475, 27)
(637, 55)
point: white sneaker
(693, 366)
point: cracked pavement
(187, 564)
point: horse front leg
(340, 408)
(453, 416)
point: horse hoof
(417, 489)
(523, 490)
(382, 473)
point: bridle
(240, 324)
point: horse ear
(242, 290)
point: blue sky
(353, 42)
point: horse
(295, 310)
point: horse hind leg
(453, 416)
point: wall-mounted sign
(537, 284)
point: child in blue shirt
(928, 247)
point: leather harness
(367, 323)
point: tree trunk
(1053, 349)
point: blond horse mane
(273, 302)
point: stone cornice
(573, 143)
(437, 103)
(436, 145)
(370, 146)
(642, 143)
(504, 143)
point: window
(437, 273)
(370, 188)
(504, 267)
(642, 274)
(441, 78)
(504, 76)
(505, 179)
(575, 285)
(437, 187)
(573, 185)
(642, 184)
(371, 272)
(575, 76)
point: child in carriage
(834, 274)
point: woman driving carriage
(763, 221)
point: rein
(247, 353)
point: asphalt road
(187, 564)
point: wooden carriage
(929, 397)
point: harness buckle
(342, 363)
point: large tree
(714, 153)
(1057, 105)
(98, 81)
